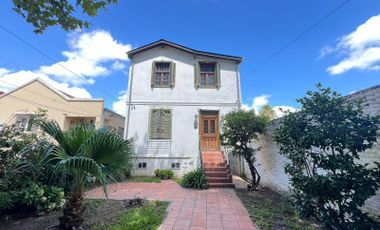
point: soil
(97, 212)
(269, 210)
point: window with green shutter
(160, 125)
(163, 74)
(207, 75)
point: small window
(163, 74)
(23, 121)
(160, 124)
(142, 165)
(176, 165)
(207, 75)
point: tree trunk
(72, 213)
(255, 175)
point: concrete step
(221, 185)
(219, 179)
(211, 174)
(216, 169)
(212, 164)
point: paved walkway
(189, 209)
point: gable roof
(64, 95)
(113, 112)
(163, 42)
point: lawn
(269, 210)
(102, 214)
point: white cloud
(9, 80)
(281, 110)
(120, 106)
(89, 56)
(361, 48)
(260, 101)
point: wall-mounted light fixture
(196, 121)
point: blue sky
(249, 28)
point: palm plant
(83, 152)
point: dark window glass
(205, 126)
(212, 126)
(162, 74)
(207, 74)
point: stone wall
(270, 163)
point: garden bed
(102, 214)
(269, 210)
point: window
(23, 122)
(120, 131)
(163, 74)
(176, 165)
(207, 75)
(160, 124)
(142, 165)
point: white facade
(184, 100)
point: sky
(341, 52)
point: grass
(269, 211)
(144, 179)
(148, 217)
(178, 180)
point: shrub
(239, 129)
(323, 142)
(164, 174)
(195, 179)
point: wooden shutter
(160, 126)
(172, 77)
(166, 124)
(217, 73)
(196, 75)
(154, 123)
(152, 80)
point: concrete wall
(185, 102)
(35, 95)
(270, 163)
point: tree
(239, 129)
(267, 113)
(84, 152)
(324, 141)
(44, 13)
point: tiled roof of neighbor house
(113, 112)
(163, 42)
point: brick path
(189, 209)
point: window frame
(171, 75)
(153, 136)
(198, 75)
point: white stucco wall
(185, 102)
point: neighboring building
(176, 103)
(19, 104)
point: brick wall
(270, 163)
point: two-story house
(177, 98)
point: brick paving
(217, 208)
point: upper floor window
(163, 74)
(207, 75)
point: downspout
(129, 99)
(241, 162)
(238, 85)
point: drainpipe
(129, 100)
(238, 85)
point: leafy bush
(195, 179)
(164, 174)
(32, 198)
(239, 129)
(323, 142)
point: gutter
(129, 100)
(238, 85)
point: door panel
(209, 132)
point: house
(18, 105)
(177, 99)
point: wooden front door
(209, 131)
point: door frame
(217, 112)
